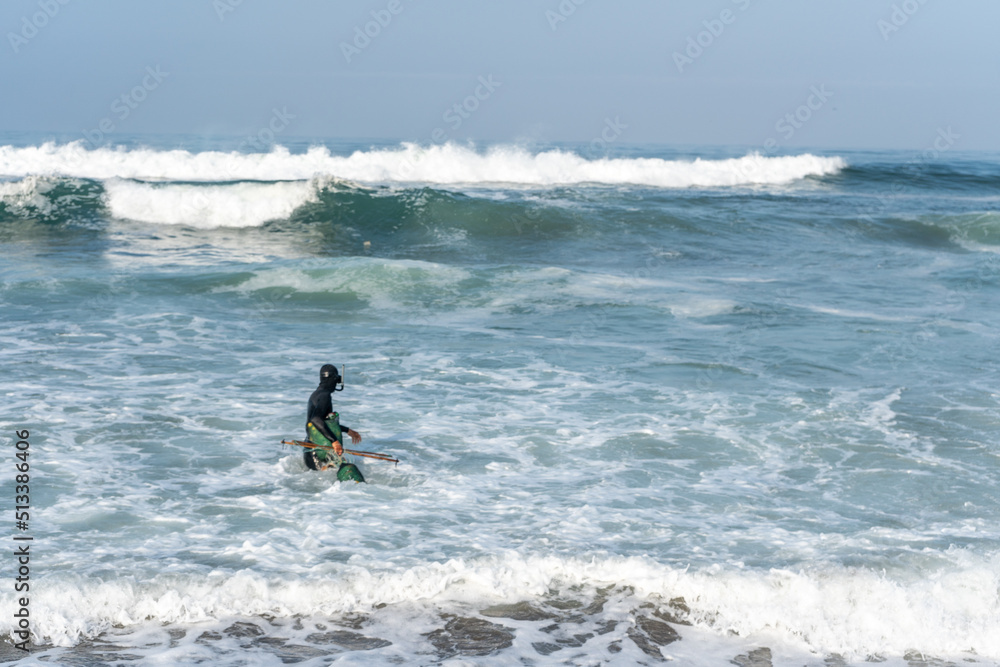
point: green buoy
(348, 471)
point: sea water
(701, 405)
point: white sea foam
(31, 186)
(206, 206)
(27, 193)
(978, 232)
(543, 401)
(881, 413)
(696, 307)
(396, 284)
(385, 283)
(244, 191)
(853, 612)
(447, 163)
(855, 314)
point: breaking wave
(852, 612)
(408, 163)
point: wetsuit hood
(329, 376)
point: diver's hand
(355, 436)
(338, 448)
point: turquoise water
(750, 398)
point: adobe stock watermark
(455, 116)
(737, 354)
(945, 139)
(266, 306)
(264, 138)
(642, 270)
(565, 9)
(123, 106)
(461, 111)
(703, 40)
(363, 35)
(30, 26)
(232, 167)
(223, 7)
(795, 120)
(899, 17)
(914, 343)
(787, 125)
(609, 134)
(525, 221)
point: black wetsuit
(321, 405)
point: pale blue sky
(826, 74)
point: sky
(850, 74)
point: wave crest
(206, 206)
(408, 163)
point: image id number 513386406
(22, 539)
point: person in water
(323, 425)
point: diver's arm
(321, 426)
(319, 423)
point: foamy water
(234, 205)
(447, 163)
(632, 424)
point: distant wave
(968, 175)
(408, 163)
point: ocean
(701, 405)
